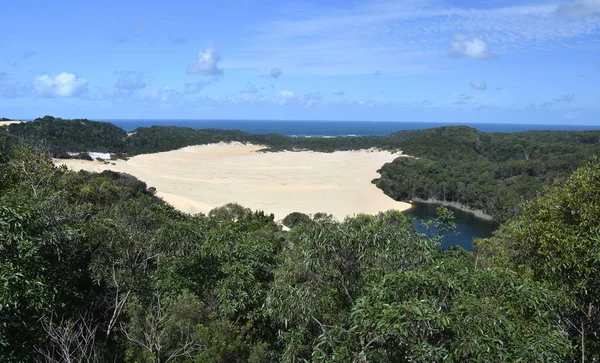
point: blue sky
(405, 60)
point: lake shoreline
(468, 225)
(476, 212)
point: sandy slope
(199, 178)
(6, 123)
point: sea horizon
(314, 128)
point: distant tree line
(62, 136)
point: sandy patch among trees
(198, 178)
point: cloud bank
(62, 85)
(130, 81)
(478, 85)
(207, 63)
(195, 87)
(475, 48)
(275, 72)
(579, 9)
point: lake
(467, 225)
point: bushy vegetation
(557, 240)
(294, 219)
(491, 172)
(93, 267)
(57, 136)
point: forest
(490, 172)
(95, 268)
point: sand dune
(198, 178)
(6, 123)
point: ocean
(335, 128)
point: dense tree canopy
(557, 240)
(492, 172)
(58, 136)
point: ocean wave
(327, 136)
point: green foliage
(328, 266)
(437, 228)
(101, 249)
(557, 239)
(42, 253)
(60, 136)
(24, 294)
(225, 343)
(294, 219)
(489, 172)
(165, 329)
(447, 310)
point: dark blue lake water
(467, 225)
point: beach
(197, 179)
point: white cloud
(478, 85)
(249, 88)
(164, 95)
(285, 97)
(566, 98)
(464, 99)
(404, 37)
(275, 72)
(195, 87)
(103, 94)
(207, 63)
(10, 88)
(62, 85)
(177, 39)
(573, 115)
(579, 8)
(475, 48)
(280, 98)
(130, 81)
